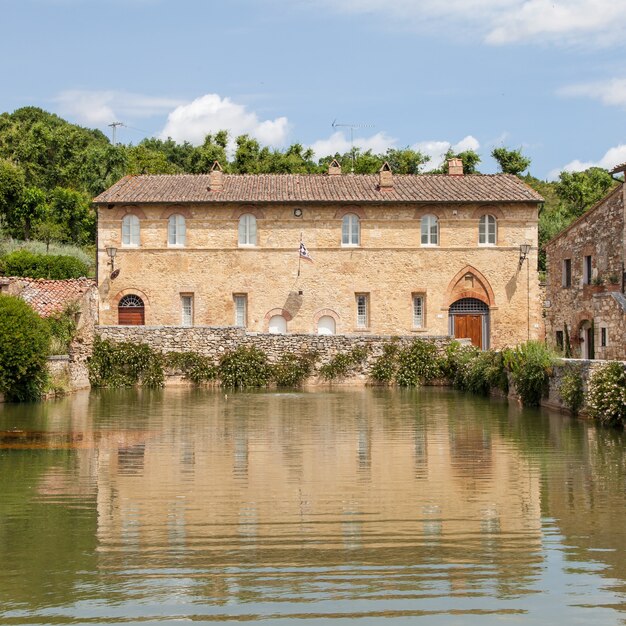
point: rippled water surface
(340, 507)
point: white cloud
(613, 156)
(210, 113)
(610, 92)
(339, 142)
(104, 107)
(436, 150)
(500, 22)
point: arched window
(350, 230)
(487, 230)
(176, 230)
(430, 230)
(277, 325)
(247, 230)
(130, 230)
(131, 311)
(326, 325)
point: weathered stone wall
(214, 342)
(599, 233)
(390, 265)
(609, 311)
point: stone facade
(389, 266)
(585, 282)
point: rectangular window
(241, 309)
(603, 337)
(418, 311)
(567, 272)
(186, 305)
(362, 310)
(559, 340)
(587, 270)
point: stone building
(383, 254)
(585, 281)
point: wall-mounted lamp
(524, 249)
(111, 252)
(297, 212)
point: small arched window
(247, 230)
(277, 325)
(326, 325)
(130, 230)
(176, 230)
(430, 230)
(350, 230)
(487, 230)
(131, 311)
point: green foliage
(62, 328)
(244, 368)
(25, 263)
(193, 366)
(469, 158)
(418, 364)
(579, 191)
(606, 397)
(530, 364)
(571, 388)
(341, 364)
(567, 344)
(510, 161)
(385, 367)
(293, 369)
(24, 341)
(125, 364)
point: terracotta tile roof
(50, 296)
(618, 168)
(426, 188)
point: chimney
(216, 177)
(334, 169)
(455, 167)
(385, 177)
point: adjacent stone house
(382, 254)
(585, 281)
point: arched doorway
(131, 311)
(469, 319)
(326, 325)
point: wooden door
(131, 316)
(469, 327)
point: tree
(510, 161)
(469, 158)
(579, 191)
(31, 208)
(73, 211)
(24, 341)
(11, 189)
(406, 160)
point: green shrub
(292, 369)
(244, 367)
(341, 364)
(193, 366)
(530, 364)
(606, 397)
(125, 364)
(571, 388)
(385, 367)
(24, 341)
(62, 327)
(418, 364)
(85, 254)
(456, 363)
(31, 265)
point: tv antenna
(352, 127)
(113, 126)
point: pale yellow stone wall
(390, 265)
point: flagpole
(299, 256)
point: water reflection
(307, 506)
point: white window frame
(362, 310)
(429, 229)
(186, 309)
(176, 230)
(487, 230)
(130, 231)
(247, 230)
(241, 309)
(418, 310)
(350, 230)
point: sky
(546, 76)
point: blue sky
(545, 75)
